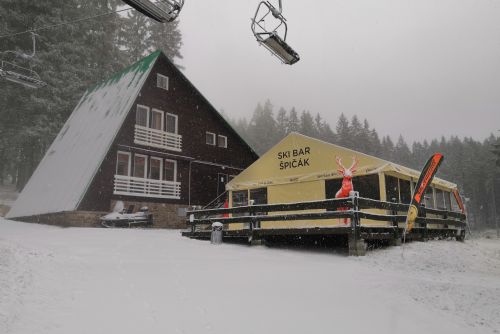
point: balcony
(136, 186)
(157, 138)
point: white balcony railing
(136, 186)
(157, 138)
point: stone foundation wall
(164, 215)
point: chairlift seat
(280, 49)
(20, 75)
(273, 37)
(162, 11)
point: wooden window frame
(129, 162)
(147, 116)
(145, 165)
(161, 76)
(175, 170)
(213, 135)
(153, 110)
(161, 168)
(218, 141)
(176, 122)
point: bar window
(259, 196)
(447, 199)
(142, 115)
(140, 166)
(155, 165)
(240, 198)
(222, 141)
(440, 204)
(210, 138)
(170, 170)
(392, 188)
(405, 191)
(368, 186)
(429, 198)
(123, 163)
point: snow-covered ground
(55, 280)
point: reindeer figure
(347, 186)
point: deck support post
(357, 246)
(396, 238)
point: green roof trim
(140, 66)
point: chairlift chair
(275, 39)
(18, 74)
(161, 11)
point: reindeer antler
(354, 164)
(339, 163)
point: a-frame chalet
(146, 137)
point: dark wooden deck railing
(354, 207)
(351, 207)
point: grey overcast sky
(421, 68)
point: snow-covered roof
(67, 169)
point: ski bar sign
(294, 158)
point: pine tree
(344, 137)
(307, 126)
(282, 123)
(293, 121)
(262, 128)
(402, 152)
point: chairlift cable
(66, 23)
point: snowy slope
(63, 175)
(55, 280)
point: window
(440, 204)
(170, 170)
(259, 196)
(222, 141)
(447, 200)
(157, 119)
(155, 168)
(429, 198)
(172, 126)
(162, 81)
(405, 191)
(454, 204)
(368, 186)
(123, 163)
(142, 115)
(210, 138)
(140, 165)
(392, 188)
(240, 198)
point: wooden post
(357, 246)
(396, 241)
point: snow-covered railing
(135, 186)
(157, 138)
(350, 211)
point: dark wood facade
(201, 168)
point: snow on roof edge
(129, 106)
(32, 207)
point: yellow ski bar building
(300, 169)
